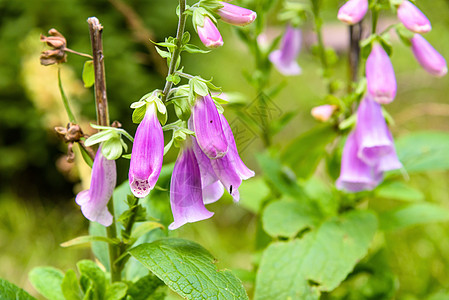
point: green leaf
(399, 191)
(162, 53)
(10, 291)
(91, 272)
(302, 268)
(88, 74)
(147, 288)
(173, 78)
(414, 214)
(424, 151)
(190, 48)
(112, 149)
(252, 194)
(47, 281)
(199, 86)
(70, 287)
(116, 291)
(100, 249)
(87, 159)
(286, 217)
(139, 114)
(304, 153)
(185, 37)
(144, 228)
(85, 239)
(99, 137)
(188, 269)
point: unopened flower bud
(412, 18)
(353, 11)
(381, 81)
(431, 61)
(236, 15)
(209, 34)
(323, 112)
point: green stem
(321, 46)
(112, 248)
(375, 18)
(177, 52)
(65, 100)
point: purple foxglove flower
(432, 61)
(236, 15)
(186, 196)
(323, 112)
(355, 174)
(212, 192)
(375, 143)
(208, 128)
(147, 154)
(230, 169)
(209, 34)
(380, 77)
(412, 18)
(284, 59)
(353, 11)
(94, 201)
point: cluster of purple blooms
(207, 163)
(369, 150)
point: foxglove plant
(431, 61)
(412, 18)
(284, 59)
(381, 80)
(353, 11)
(94, 201)
(147, 154)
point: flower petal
(209, 34)
(236, 15)
(186, 197)
(381, 80)
(284, 59)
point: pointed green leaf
(189, 270)
(70, 287)
(88, 239)
(116, 291)
(88, 269)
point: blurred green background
(37, 185)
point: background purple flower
(236, 15)
(431, 61)
(353, 11)
(412, 18)
(284, 59)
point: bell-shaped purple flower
(355, 174)
(208, 128)
(212, 192)
(186, 196)
(147, 154)
(230, 169)
(412, 18)
(94, 201)
(236, 15)
(209, 34)
(381, 81)
(431, 61)
(353, 11)
(284, 59)
(375, 143)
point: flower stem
(355, 34)
(95, 30)
(321, 47)
(78, 53)
(375, 17)
(65, 100)
(177, 52)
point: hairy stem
(177, 51)
(101, 100)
